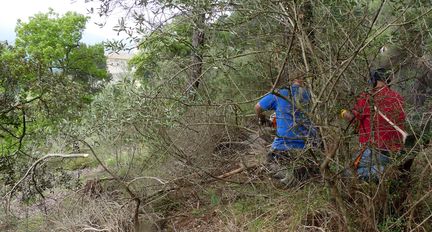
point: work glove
(264, 122)
(342, 113)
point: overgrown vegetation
(176, 146)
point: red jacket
(390, 103)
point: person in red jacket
(375, 112)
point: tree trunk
(307, 11)
(197, 51)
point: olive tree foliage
(233, 52)
(47, 77)
(250, 45)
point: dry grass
(83, 213)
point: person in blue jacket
(294, 132)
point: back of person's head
(289, 76)
(380, 74)
(297, 75)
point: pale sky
(11, 11)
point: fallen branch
(147, 177)
(9, 194)
(206, 181)
(235, 171)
